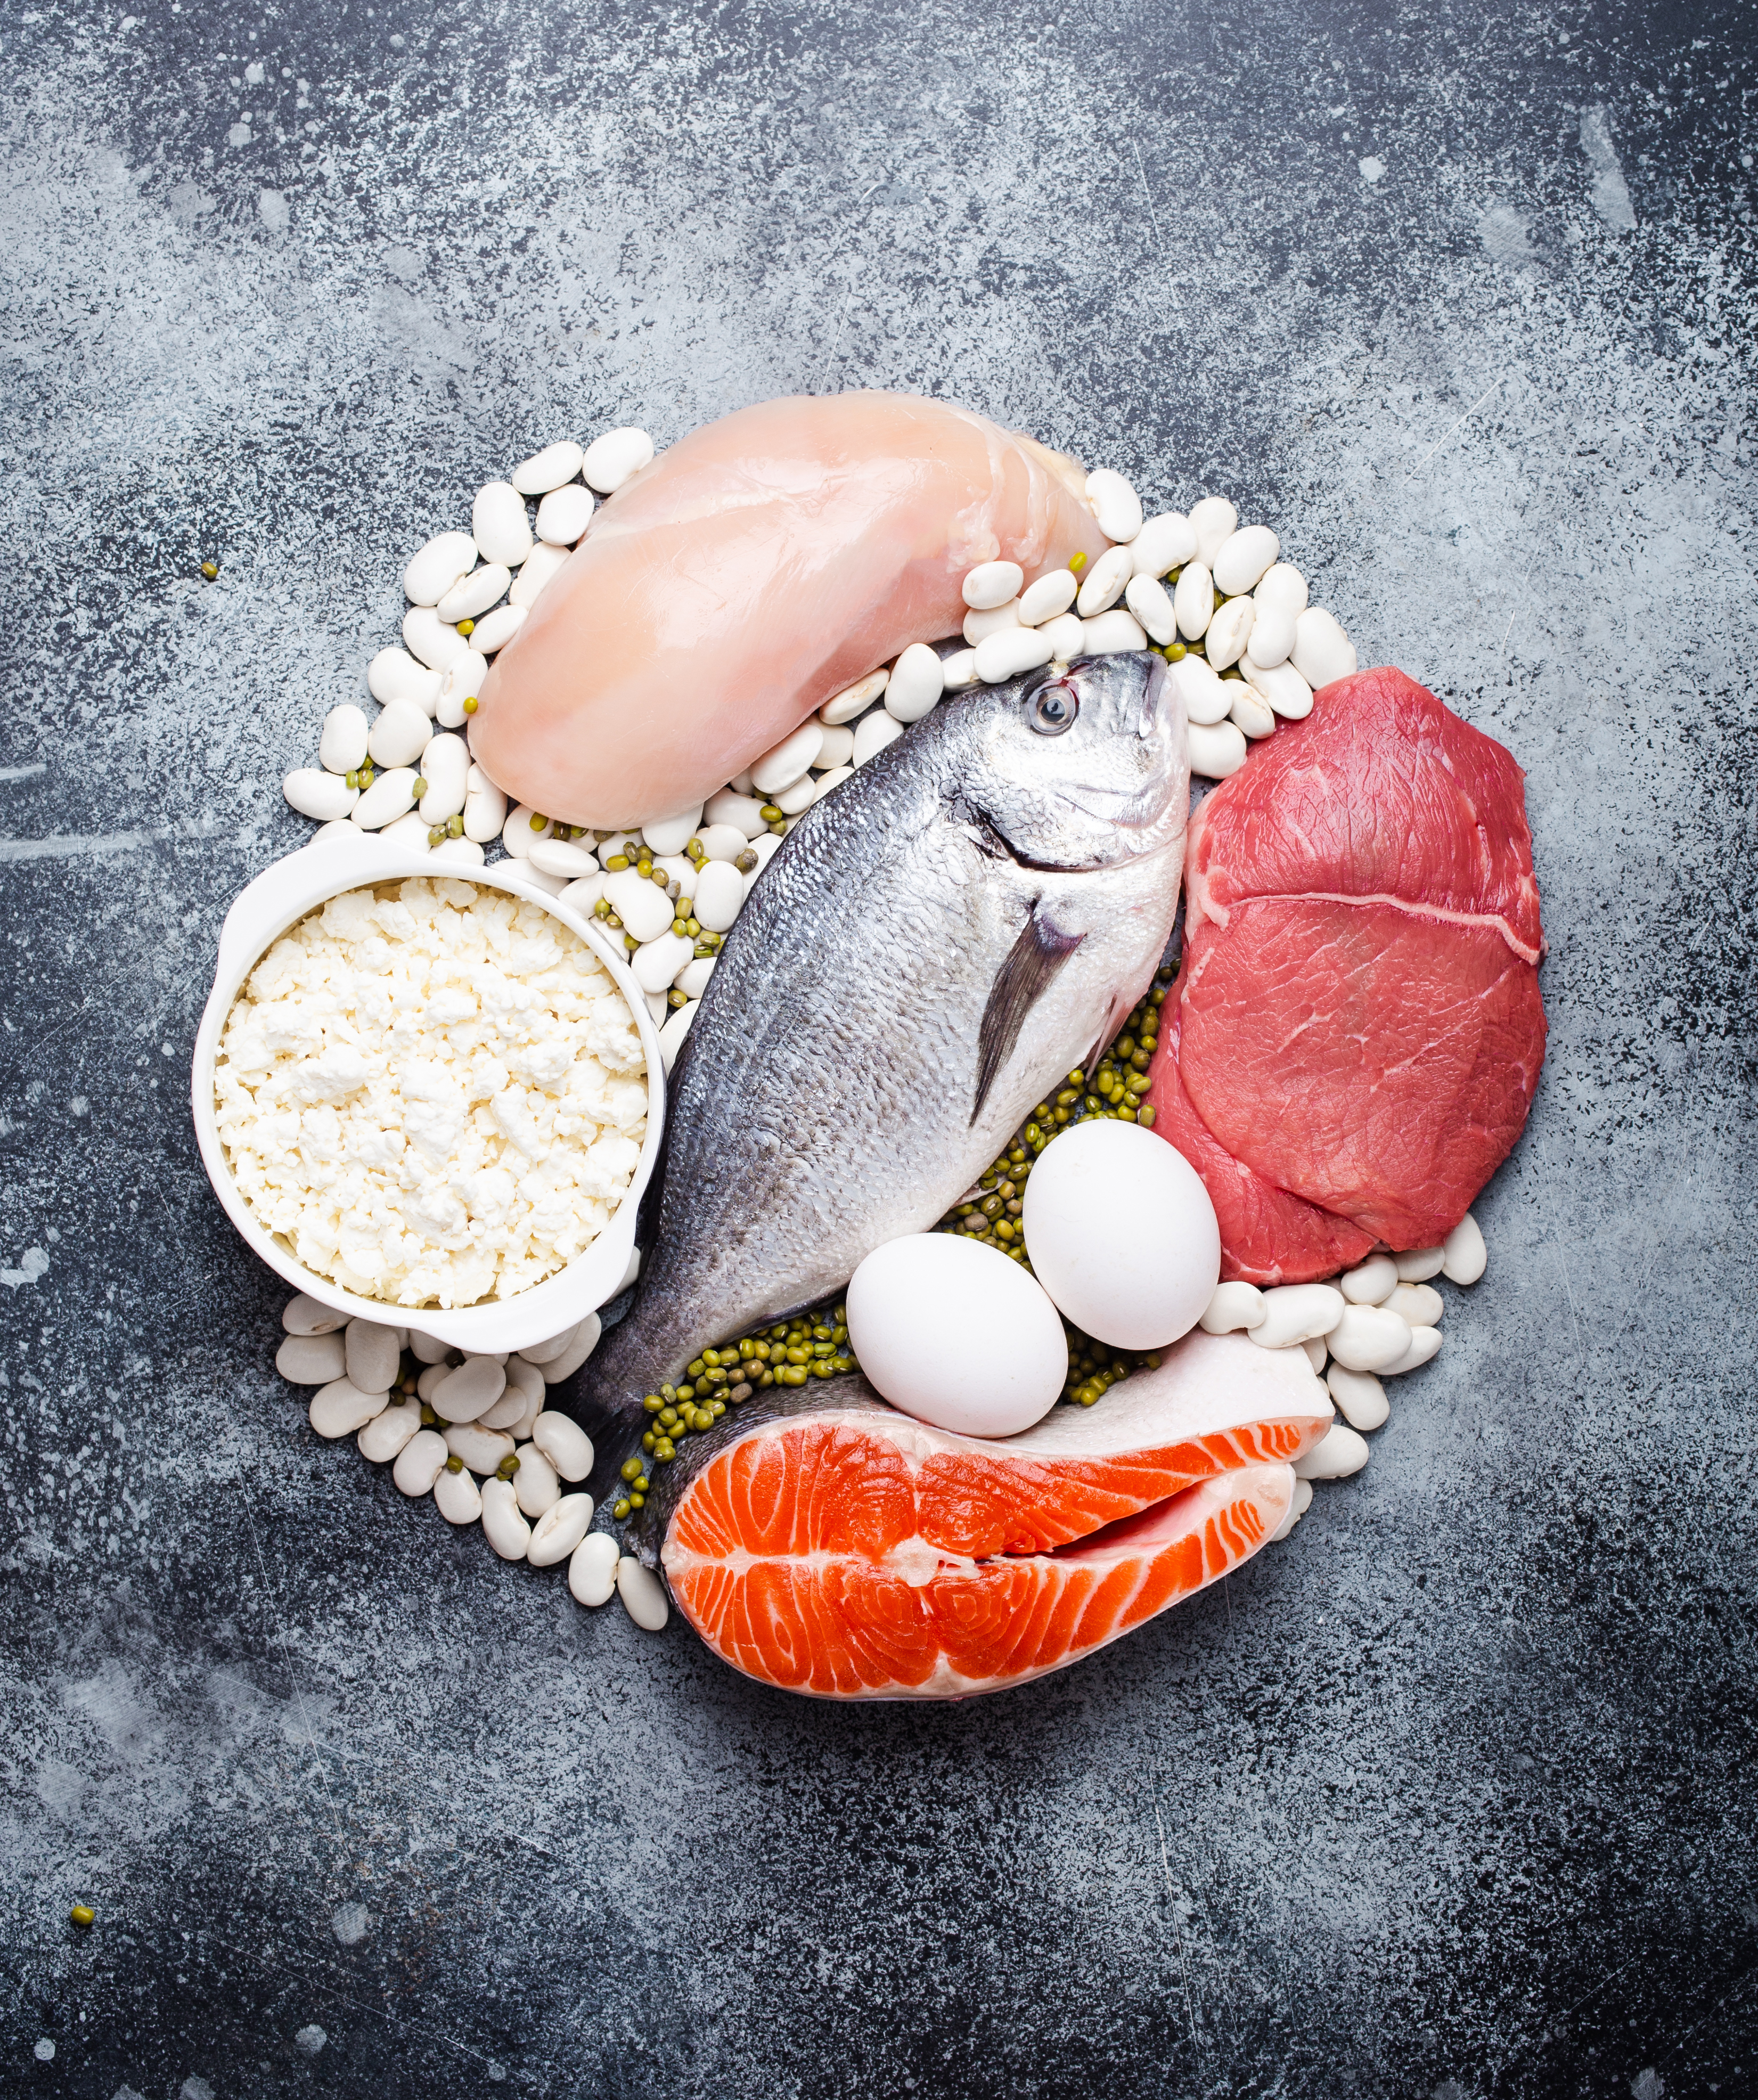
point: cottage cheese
(433, 1090)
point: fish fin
(1031, 966)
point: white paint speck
(32, 1263)
(1610, 194)
(1372, 167)
(350, 1922)
(45, 2050)
(311, 2039)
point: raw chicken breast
(758, 567)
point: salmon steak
(841, 1548)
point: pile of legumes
(433, 1092)
(1211, 596)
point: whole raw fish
(939, 942)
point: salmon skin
(829, 1545)
(934, 945)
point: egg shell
(957, 1334)
(1122, 1234)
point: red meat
(1358, 1031)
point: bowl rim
(289, 890)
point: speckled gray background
(1445, 1796)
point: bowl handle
(257, 908)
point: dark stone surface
(1450, 1795)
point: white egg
(1122, 1234)
(957, 1334)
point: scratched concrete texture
(1444, 1796)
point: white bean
(311, 1359)
(394, 675)
(509, 1409)
(1424, 1342)
(1115, 504)
(1047, 599)
(991, 584)
(1214, 521)
(1243, 557)
(427, 1381)
(768, 845)
(1111, 633)
(585, 1340)
(1216, 749)
(564, 1443)
(470, 1389)
(518, 834)
(671, 835)
(548, 469)
(1272, 638)
(796, 801)
(720, 892)
(1338, 1453)
(1193, 601)
(391, 796)
(539, 568)
(343, 746)
(611, 460)
(313, 792)
(1234, 1306)
(1164, 542)
(1297, 1312)
(1282, 586)
(782, 765)
(426, 1350)
(1282, 686)
(481, 1449)
(1464, 1256)
(959, 670)
(1065, 635)
(692, 979)
(456, 1497)
(1007, 654)
(381, 1439)
(565, 858)
(1299, 1503)
(1152, 604)
(339, 1408)
(591, 1571)
(499, 525)
(485, 807)
(744, 812)
(475, 593)
(562, 516)
(433, 572)
(559, 1530)
(408, 833)
(873, 732)
(728, 841)
(445, 768)
(1315, 1353)
(643, 1599)
(544, 1352)
(400, 735)
(1322, 652)
(1229, 632)
(525, 1381)
(503, 1524)
(654, 964)
(535, 1486)
(427, 636)
(825, 782)
(1360, 1398)
(1103, 585)
(499, 629)
(1368, 1338)
(675, 1028)
(304, 1315)
(1249, 714)
(465, 852)
(838, 745)
(917, 683)
(461, 680)
(856, 699)
(371, 1355)
(1420, 1264)
(996, 620)
(419, 1462)
(1371, 1282)
(1417, 1304)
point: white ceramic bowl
(261, 912)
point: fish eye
(1053, 709)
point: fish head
(1082, 767)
